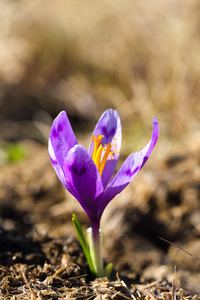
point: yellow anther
(100, 161)
(97, 159)
(97, 141)
(104, 159)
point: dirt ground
(40, 257)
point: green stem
(95, 244)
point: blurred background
(139, 57)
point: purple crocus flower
(87, 175)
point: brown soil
(40, 257)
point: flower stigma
(99, 160)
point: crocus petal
(149, 147)
(55, 164)
(57, 168)
(62, 138)
(130, 168)
(124, 176)
(83, 178)
(109, 125)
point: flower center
(97, 156)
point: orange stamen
(104, 159)
(97, 141)
(100, 161)
(97, 159)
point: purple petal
(130, 168)
(109, 125)
(83, 178)
(57, 167)
(62, 138)
(149, 147)
(124, 176)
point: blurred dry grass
(140, 57)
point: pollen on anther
(99, 157)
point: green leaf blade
(83, 242)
